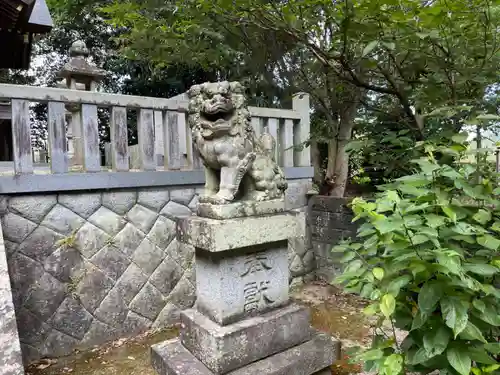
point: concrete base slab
(171, 358)
(226, 348)
(240, 209)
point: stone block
(40, 243)
(148, 256)
(33, 207)
(154, 199)
(174, 211)
(221, 235)
(81, 204)
(240, 209)
(63, 220)
(90, 239)
(182, 196)
(231, 286)
(223, 349)
(171, 358)
(142, 218)
(119, 201)
(162, 232)
(107, 220)
(149, 302)
(111, 261)
(16, 228)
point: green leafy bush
(427, 256)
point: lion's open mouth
(219, 116)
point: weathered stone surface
(154, 199)
(24, 272)
(33, 207)
(296, 267)
(40, 243)
(298, 245)
(134, 324)
(119, 201)
(309, 261)
(142, 218)
(193, 205)
(10, 248)
(149, 302)
(108, 221)
(221, 235)
(148, 256)
(97, 334)
(59, 344)
(113, 309)
(168, 316)
(32, 330)
(175, 211)
(240, 209)
(171, 358)
(4, 204)
(111, 261)
(227, 348)
(71, 318)
(166, 276)
(128, 239)
(182, 196)
(64, 264)
(16, 228)
(93, 287)
(81, 204)
(236, 286)
(238, 164)
(131, 283)
(181, 253)
(184, 293)
(63, 220)
(11, 362)
(162, 232)
(90, 239)
(46, 296)
(296, 194)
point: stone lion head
(218, 108)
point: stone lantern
(78, 74)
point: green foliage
(427, 256)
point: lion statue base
(238, 165)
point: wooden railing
(163, 134)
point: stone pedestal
(243, 322)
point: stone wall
(87, 268)
(329, 222)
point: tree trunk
(337, 171)
(316, 163)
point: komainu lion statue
(238, 166)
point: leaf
(371, 355)
(479, 354)
(419, 320)
(460, 138)
(488, 117)
(388, 305)
(395, 285)
(480, 269)
(393, 364)
(416, 357)
(378, 273)
(451, 263)
(489, 242)
(482, 216)
(371, 309)
(422, 35)
(435, 221)
(369, 48)
(429, 296)
(455, 314)
(490, 315)
(493, 348)
(450, 213)
(478, 304)
(491, 368)
(436, 341)
(459, 360)
(471, 332)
